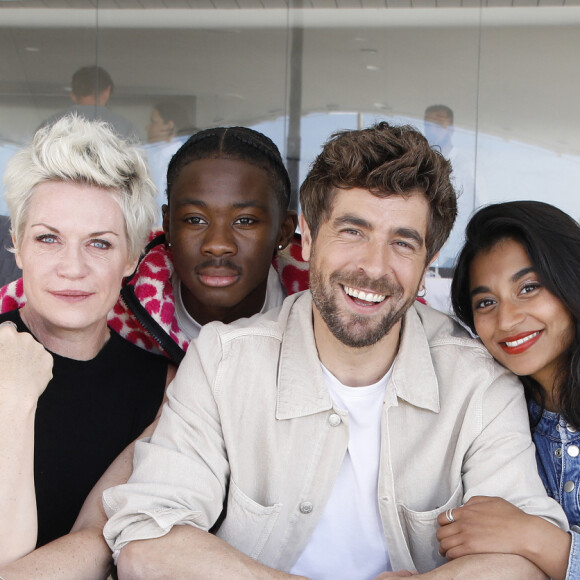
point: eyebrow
(57, 231)
(514, 278)
(350, 220)
(236, 205)
(521, 273)
(407, 233)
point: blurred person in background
(439, 130)
(168, 129)
(91, 89)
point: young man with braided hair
(340, 426)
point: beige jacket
(249, 409)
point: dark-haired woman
(228, 248)
(517, 285)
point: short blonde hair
(75, 150)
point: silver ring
(8, 323)
(449, 516)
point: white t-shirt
(275, 294)
(348, 542)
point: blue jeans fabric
(558, 457)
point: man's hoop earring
(422, 293)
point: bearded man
(337, 428)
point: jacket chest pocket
(420, 530)
(248, 524)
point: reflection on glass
(168, 129)
(512, 89)
(91, 90)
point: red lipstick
(523, 341)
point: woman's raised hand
(25, 365)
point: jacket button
(575, 529)
(558, 452)
(569, 486)
(306, 507)
(334, 420)
(573, 450)
(571, 428)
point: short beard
(352, 332)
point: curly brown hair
(385, 160)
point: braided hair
(238, 143)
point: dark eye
(195, 220)
(483, 303)
(530, 287)
(245, 221)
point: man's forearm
(486, 567)
(85, 550)
(192, 554)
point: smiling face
(224, 223)
(366, 264)
(523, 325)
(74, 253)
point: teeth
(366, 296)
(522, 340)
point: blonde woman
(81, 205)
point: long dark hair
(552, 240)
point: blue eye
(47, 239)
(100, 244)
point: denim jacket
(558, 457)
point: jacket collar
(301, 387)
(414, 378)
